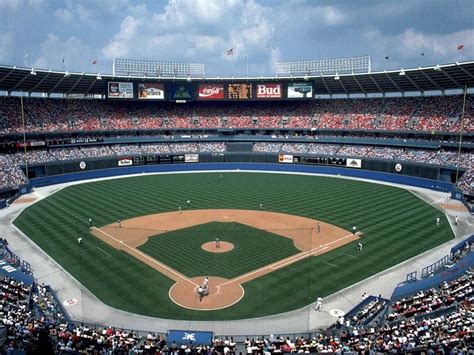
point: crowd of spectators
(11, 174)
(424, 114)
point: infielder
(318, 227)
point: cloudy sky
(71, 34)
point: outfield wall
(357, 173)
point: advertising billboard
(239, 91)
(269, 91)
(285, 158)
(125, 162)
(191, 158)
(354, 163)
(300, 91)
(118, 90)
(181, 93)
(211, 92)
(151, 91)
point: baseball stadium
(325, 208)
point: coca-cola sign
(268, 91)
(211, 92)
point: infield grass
(253, 249)
(396, 225)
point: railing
(430, 269)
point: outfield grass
(396, 224)
(253, 248)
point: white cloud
(199, 31)
(20, 4)
(121, 45)
(412, 42)
(409, 44)
(275, 57)
(6, 40)
(331, 16)
(63, 15)
(76, 54)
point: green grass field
(396, 224)
(253, 248)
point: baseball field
(153, 239)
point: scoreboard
(158, 159)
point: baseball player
(261, 206)
(318, 227)
(359, 246)
(90, 222)
(456, 220)
(188, 203)
(119, 222)
(179, 209)
(354, 230)
(218, 242)
(79, 240)
(319, 304)
(437, 221)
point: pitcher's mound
(223, 293)
(212, 248)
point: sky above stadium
(74, 34)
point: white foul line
(148, 257)
(291, 259)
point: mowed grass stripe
(253, 248)
(389, 237)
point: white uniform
(319, 304)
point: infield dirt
(130, 234)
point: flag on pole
(386, 57)
(230, 51)
(461, 47)
(63, 60)
(422, 53)
(94, 61)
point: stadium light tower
(153, 68)
(324, 67)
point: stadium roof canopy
(436, 78)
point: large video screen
(239, 91)
(118, 90)
(180, 92)
(211, 92)
(300, 91)
(151, 91)
(269, 91)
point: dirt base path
(129, 234)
